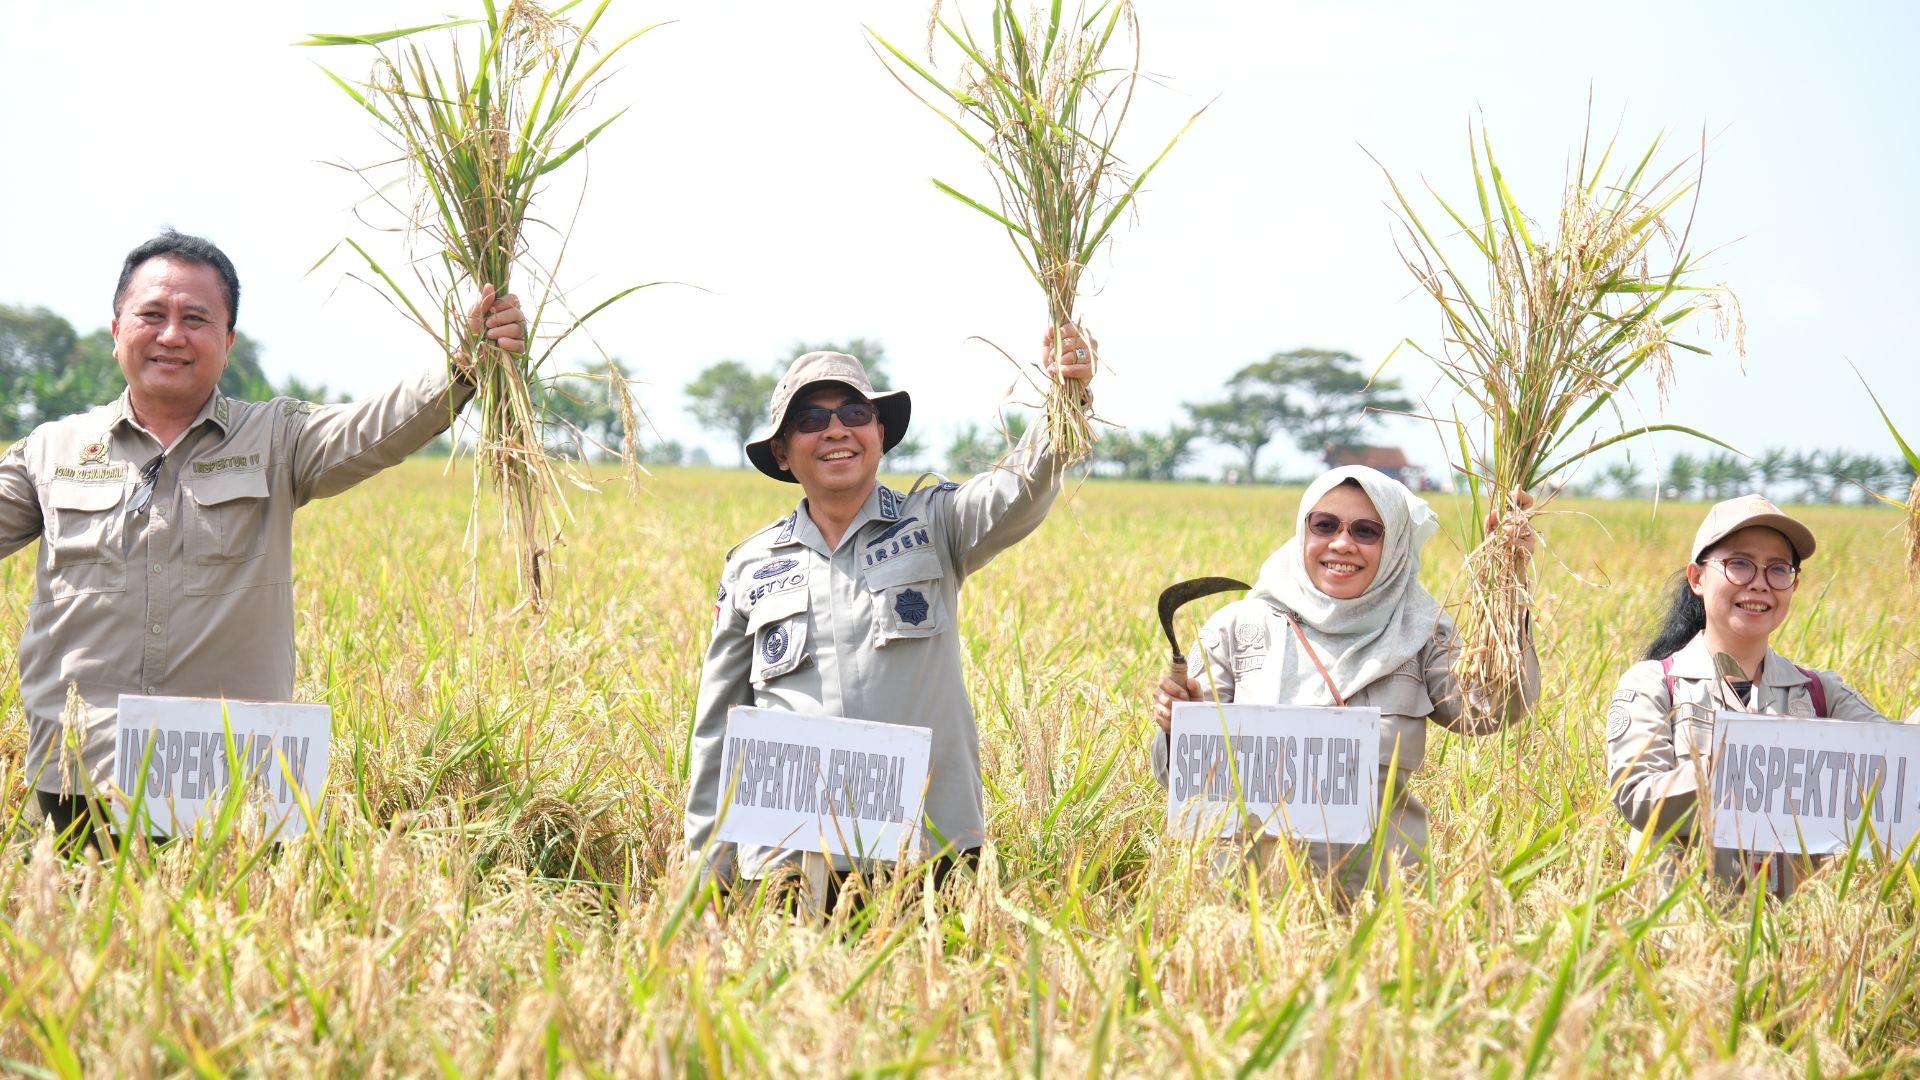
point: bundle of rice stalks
(1912, 505)
(479, 135)
(1551, 338)
(1043, 106)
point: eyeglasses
(1780, 576)
(143, 491)
(817, 418)
(1365, 531)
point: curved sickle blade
(1173, 597)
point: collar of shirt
(883, 504)
(1695, 661)
(217, 410)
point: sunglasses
(1365, 531)
(1780, 576)
(816, 418)
(143, 491)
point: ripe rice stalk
(1044, 107)
(1912, 504)
(479, 135)
(1549, 340)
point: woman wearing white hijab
(1347, 587)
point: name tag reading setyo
(823, 783)
(1285, 770)
(1803, 786)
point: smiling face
(1743, 614)
(840, 461)
(1338, 565)
(171, 334)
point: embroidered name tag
(93, 474)
(226, 464)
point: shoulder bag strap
(1306, 647)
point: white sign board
(1309, 773)
(279, 753)
(823, 783)
(1803, 786)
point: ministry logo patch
(775, 569)
(774, 645)
(911, 606)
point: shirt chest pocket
(778, 626)
(225, 528)
(1692, 731)
(908, 594)
(85, 538)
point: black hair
(175, 245)
(1688, 614)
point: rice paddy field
(500, 888)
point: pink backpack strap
(1816, 688)
(1666, 672)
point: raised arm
(997, 508)
(333, 447)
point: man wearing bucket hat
(1735, 591)
(847, 606)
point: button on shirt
(866, 630)
(193, 594)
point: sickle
(1177, 595)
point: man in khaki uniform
(166, 516)
(848, 606)
(1660, 719)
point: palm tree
(1682, 474)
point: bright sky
(771, 162)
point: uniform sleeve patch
(1619, 716)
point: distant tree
(582, 411)
(1119, 451)
(1624, 475)
(907, 452)
(668, 452)
(1807, 468)
(1772, 467)
(244, 378)
(1321, 396)
(1682, 474)
(1247, 421)
(32, 342)
(87, 376)
(730, 396)
(973, 449)
(1724, 475)
(1163, 453)
(871, 354)
(295, 387)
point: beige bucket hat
(1727, 518)
(807, 369)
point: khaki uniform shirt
(868, 630)
(1659, 745)
(1236, 642)
(194, 595)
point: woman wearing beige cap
(1712, 654)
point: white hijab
(1365, 638)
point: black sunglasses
(817, 418)
(1365, 531)
(143, 491)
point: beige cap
(807, 369)
(1727, 518)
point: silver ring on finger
(1080, 354)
